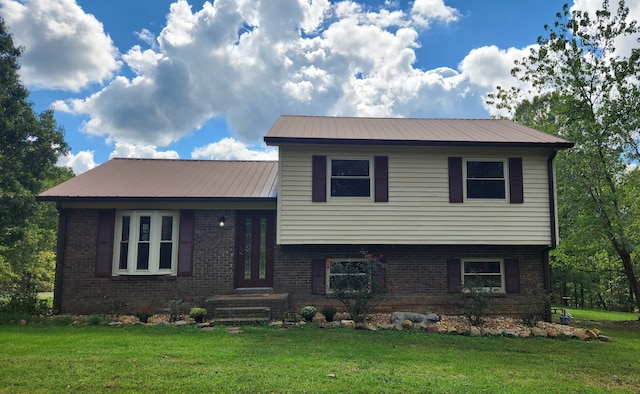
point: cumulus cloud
(425, 12)
(79, 162)
(65, 48)
(123, 149)
(231, 149)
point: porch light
(221, 221)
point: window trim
(329, 263)
(371, 178)
(505, 178)
(155, 242)
(503, 279)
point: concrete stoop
(247, 306)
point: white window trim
(505, 169)
(155, 235)
(351, 198)
(501, 289)
(329, 262)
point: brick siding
(417, 274)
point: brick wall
(417, 274)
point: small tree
(359, 285)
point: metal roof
(407, 131)
(171, 179)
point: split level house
(445, 201)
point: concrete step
(239, 321)
(278, 304)
(242, 312)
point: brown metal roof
(171, 179)
(406, 131)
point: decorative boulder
(399, 317)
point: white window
(485, 179)
(487, 274)
(146, 243)
(350, 177)
(339, 270)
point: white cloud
(249, 61)
(231, 149)
(138, 151)
(424, 12)
(79, 162)
(65, 48)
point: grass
(40, 357)
(600, 315)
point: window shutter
(318, 275)
(104, 246)
(319, 178)
(454, 278)
(515, 181)
(455, 180)
(512, 275)
(185, 243)
(381, 183)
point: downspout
(60, 249)
(546, 272)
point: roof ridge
(191, 160)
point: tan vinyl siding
(418, 211)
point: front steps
(247, 306)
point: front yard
(86, 358)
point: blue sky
(205, 80)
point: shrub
(143, 313)
(198, 314)
(308, 312)
(475, 301)
(329, 312)
(361, 285)
(23, 298)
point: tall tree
(30, 145)
(583, 89)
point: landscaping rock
(511, 333)
(399, 317)
(234, 330)
(474, 331)
(407, 324)
(604, 338)
(276, 324)
(319, 319)
(386, 326)
(369, 327)
(350, 324)
(592, 334)
(181, 323)
(539, 332)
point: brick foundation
(417, 276)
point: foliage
(581, 84)
(308, 312)
(116, 359)
(23, 298)
(30, 145)
(198, 314)
(329, 312)
(143, 313)
(359, 285)
(475, 300)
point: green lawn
(50, 358)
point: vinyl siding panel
(418, 211)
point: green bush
(198, 314)
(23, 298)
(308, 312)
(329, 312)
(359, 286)
(143, 313)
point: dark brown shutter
(515, 181)
(454, 278)
(319, 178)
(104, 246)
(318, 275)
(185, 243)
(381, 183)
(455, 180)
(512, 275)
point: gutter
(60, 251)
(546, 272)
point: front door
(255, 242)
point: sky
(195, 79)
